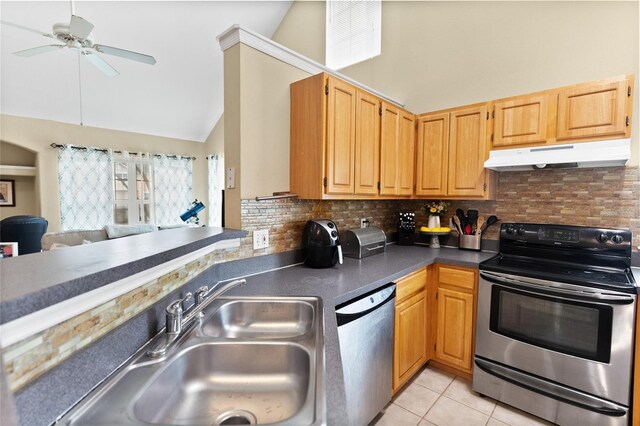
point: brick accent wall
(285, 219)
(606, 197)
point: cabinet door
(410, 351)
(592, 110)
(367, 165)
(467, 152)
(341, 137)
(454, 330)
(521, 121)
(433, 150)
(406, 153)
(390, 140)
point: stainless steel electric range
(555, 325)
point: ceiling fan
(77, 35)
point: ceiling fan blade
(38, 50)
(80, 27)
(22, 27)
(126, 54)
(100, 63)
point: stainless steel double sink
(245, 361)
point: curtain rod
(57, 145)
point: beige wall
(214, 144)
(15, 155)
(444, 54)
(256, 128)
(36, 135)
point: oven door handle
(552, 390)
(611, 299)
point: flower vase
(434, 222)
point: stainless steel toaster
(363, 242)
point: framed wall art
(7, 193)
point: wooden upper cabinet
(520, 121)
(467, 152)
(432, 158)
(397, 151)
(367, 160)
(341, 137)
(389, 146)
(406, 148)
(592, 110)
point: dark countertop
(35, 281)
(342, 283)
(77, 375)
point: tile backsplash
(600, 197)
(606, 197)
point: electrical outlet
(260, 239)
(364, 222)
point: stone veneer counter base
(35, 281)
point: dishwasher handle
(368, 302)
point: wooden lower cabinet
(455, 311)
(411, 319)
(454, 328)
(434, 321)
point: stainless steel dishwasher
(365, 331)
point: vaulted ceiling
(181, 96)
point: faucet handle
(177, 306)
(201, 294)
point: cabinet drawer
(464, 278)
(411, 284)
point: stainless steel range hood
(610, 153)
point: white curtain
(173, 188)
(216, 183)
(85, 179)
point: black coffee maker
(320, 244)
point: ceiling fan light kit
(77, 35)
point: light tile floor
(434, 397)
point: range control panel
(565, 235)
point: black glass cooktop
(587, 256)
(579, 274)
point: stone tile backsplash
(606, 197)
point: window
(100, 187)
(133, 183)
(354, 31)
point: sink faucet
(178, 318)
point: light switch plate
(260, 239)
(231, 178)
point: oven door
(576, 336)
